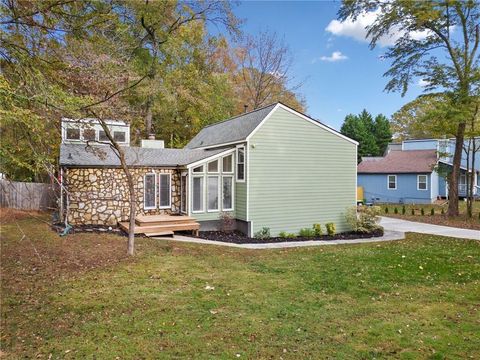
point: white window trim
(203, 193)
(426, 183)
(218, 166)
(244, 166)
(388, 182)
(233, 164)
(218, 193)
(145, 192)
(233, 192)
(160, 191)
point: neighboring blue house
(412, 172)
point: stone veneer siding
(99, 196)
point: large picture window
(392, 182)
(241, 163)
(165, 191)
(422, 182)
(212, 191)
(150, 191)
(197, 194)
(227, 193)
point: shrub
(395, 210)
(330, 228)
(365, 220)
(404, 210)
(227, 222)
(386, 210)
(432, 211)
(422, 211)
(306, 232)
(413, 211)
(263, 234)
(291, 236)
(318, 229)
(283, 234)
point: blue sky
(332, 89)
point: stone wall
(99, 196)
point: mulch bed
(237, 237)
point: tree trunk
(455, 174)
(148, 117)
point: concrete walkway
(393, 224)
(388, 236)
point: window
(164, 191)
(241, 163)
(227, 193)
(392, 182)
(197, 196)
(73, 134)
(119, 136)
(212, 166)
(212, 191)
(227, 164)
(422, 182)
(150, 191)
(198, 169)
(102, 136)
(89, 134)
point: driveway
(393, 224)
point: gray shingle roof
(80, 155)
(231, 130)
(400, 161)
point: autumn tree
(443, 52)
(265, 72)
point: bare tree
(265, 65)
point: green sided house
(273, 167)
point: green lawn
(80, 297)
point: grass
(80, 297)
(438, 218)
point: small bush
(395, 210)
(330, 228)
(283, 234)
(413, 211)
(365, 220)
(432, 211)
(291, 236)
(263, 234)
(386, 210)
(307, 233)
(404, 210)
(227, 222)
(422, 211)
(318, 229)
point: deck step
(147, 220)
(160, 233)
(144, 229)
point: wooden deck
(160, 225)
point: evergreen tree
(382, 132)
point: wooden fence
(27, 196)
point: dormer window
(89, 134)
(73, 134)
(119, 136)
(102, 136)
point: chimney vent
(151, 137)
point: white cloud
(357, 29)
(336, 56)
(423, 83)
